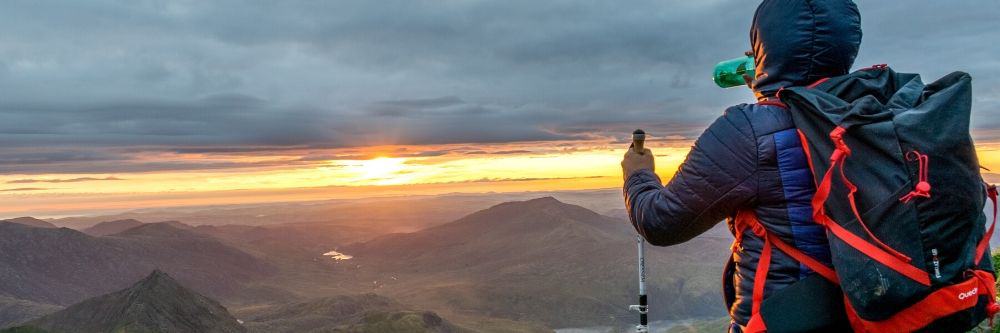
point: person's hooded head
(797, 42)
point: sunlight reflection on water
(338, 256)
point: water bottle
(734, 72)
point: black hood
(796, 42)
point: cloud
(104, 160)
(499, 152)
(426, 103)
(517, 179)
(525, 179)
(63, 180)
(443, 106)
(24, 189)
(82, 81)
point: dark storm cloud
(426, 103)
(443, 106)
(130, 121)
(104, 160)
(88, 80)
(86, 167)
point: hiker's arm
(717, 178)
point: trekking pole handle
(638, 140)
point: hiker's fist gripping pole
(637, 157)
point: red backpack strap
(747, 219)
(982, 249)
(941, 303)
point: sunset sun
(379, 168)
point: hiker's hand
(634, 162)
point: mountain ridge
(31, 221)
(541, 260)
(156, 303)
(63, 266)
(111, 227)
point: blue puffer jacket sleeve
(717, 178)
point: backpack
(900, 194)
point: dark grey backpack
(901, 196)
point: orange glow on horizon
(348, 173)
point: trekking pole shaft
(643, 307)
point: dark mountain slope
(64, 266)
(317, 314)
(155, 304)
(345, 313)
(200, 258)
(15, 311)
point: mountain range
(521, 266)
(63, 266)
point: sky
(111, 105)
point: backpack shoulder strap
(747, 220)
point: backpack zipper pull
(923, 187)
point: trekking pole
(642, 308)
(638, 138)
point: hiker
(750, 167)
(751, 157)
